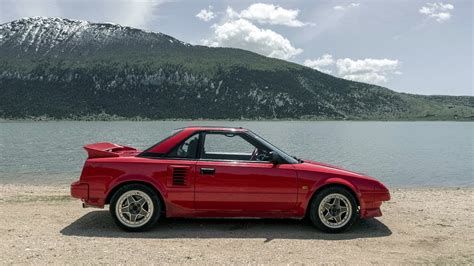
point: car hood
(309, 165)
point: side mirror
(275, 158)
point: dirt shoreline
(42, 224)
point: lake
(400, 154)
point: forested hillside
(65, 69)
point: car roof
(213, 128)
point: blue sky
(422, 47)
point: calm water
(401, 154)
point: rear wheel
(333, 210)
(135, 207)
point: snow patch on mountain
(42, 35)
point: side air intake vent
(179, 176)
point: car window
(227, 143)
(229, 146)
(187, 149)
(287, 157)
(147, 153)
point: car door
(228, 179)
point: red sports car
(222, 172)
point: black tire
(318, 198)
(155, 215)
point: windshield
(283, 154)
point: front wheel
(135, 207)
(333, 210)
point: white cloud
(135, 13)
(369, 77)
(242, 30)
(241, 33)
(321, 63)
(231, 14)
(206, 14)
(438, 11)
(365, 70)
(271, 14)
(349, 6)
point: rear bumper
(371, 202)
(80, 191)
(89, 196)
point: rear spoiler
(106, 149)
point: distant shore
(42, 224)
(139, 119)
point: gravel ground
(40, 225)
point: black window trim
(203, 140)
(197, 157)
(166, 155)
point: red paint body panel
(80, 190)
(235, 189)
(245, 187)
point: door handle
(208, 171)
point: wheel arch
(333, 183)
(140, 182)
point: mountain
(69, 69)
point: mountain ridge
(72, 69)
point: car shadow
(100, 224)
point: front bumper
(371, 202)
